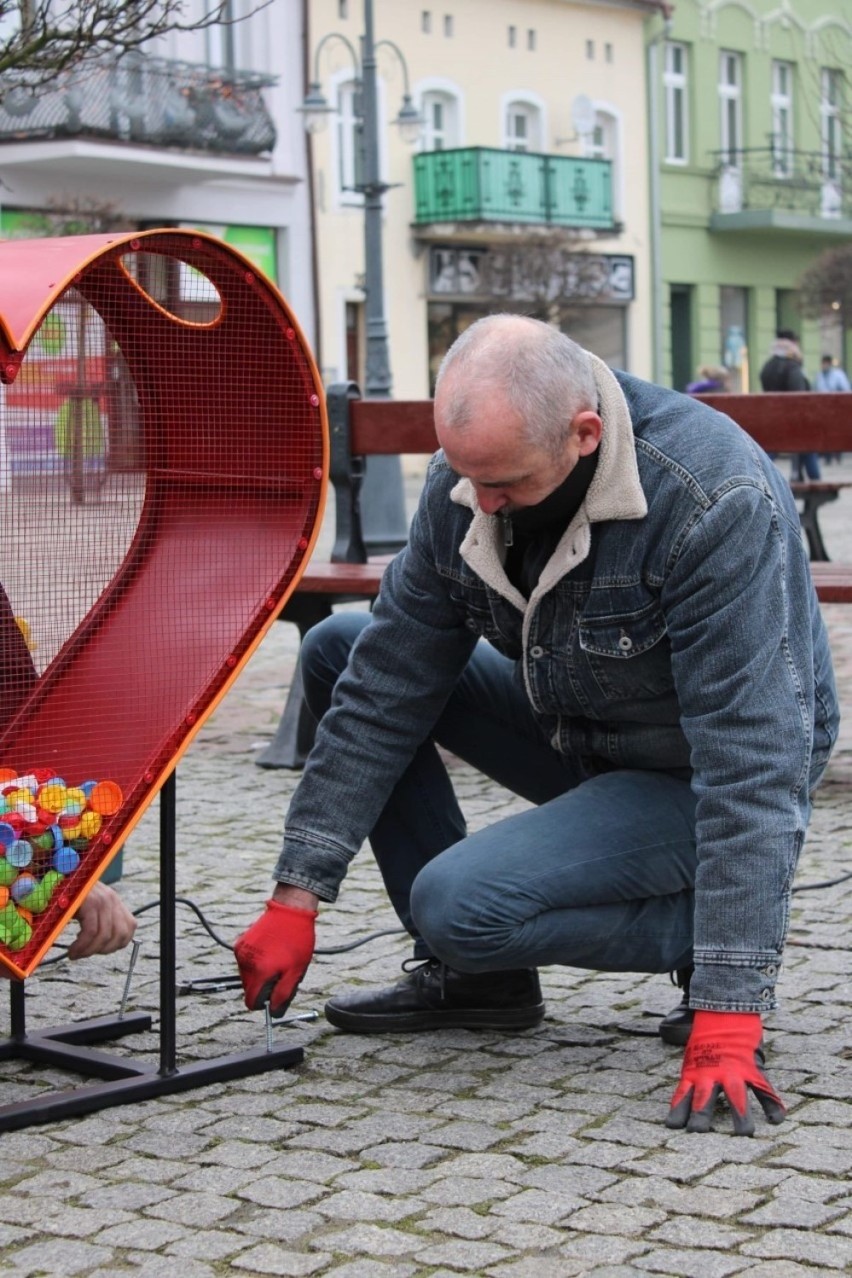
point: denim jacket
(675, 627)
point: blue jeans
(598, 875)
(806, 466)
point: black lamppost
(384, 507)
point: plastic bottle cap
(19, 853)
(106, 798)
(65, 860)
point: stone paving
(540, 1154)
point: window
(782, 119)
(608, 52)
(733, 327)
(730, 108)
(675, 87)
(426, 22)
(348, 138)
(440, 113)
(830, 110)
(603, 142)
(590, 50)
(600, 143)
(343, 8)
(513, 37)
(448, 24)
(523, 130)
(531, 40)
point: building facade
(526, 189)
(747, 119)
(198, 129)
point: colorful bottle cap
(51, 795)
(90, 824)
(65, 860)
(42, 774)
(8, 833)
(106, 798)
(76, 794)
(4, 895)
(87, 787)
(50, 840)
(26, 809)
(24, 884)
(19, 853)
(8, 873)
(25, 915)
(7, 774)
(4, 806)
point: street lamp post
(385, 523)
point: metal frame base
(125, 1080)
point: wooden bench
(813, 494)
(361, 429)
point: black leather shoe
(433, 996)
(676, 1025)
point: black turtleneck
(532, 533)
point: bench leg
(294, 736)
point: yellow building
(526, 190)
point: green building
(749, 133)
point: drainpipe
(311, 181)
(654, 192)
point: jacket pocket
(628, 653)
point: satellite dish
(583, 115)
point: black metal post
(383, 494)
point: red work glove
(723, 1055)
(273, 956)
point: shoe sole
(410, 1022)
(675, 1035)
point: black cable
(812, 887)
(371, 936)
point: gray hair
(546, 377)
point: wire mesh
(162, 471)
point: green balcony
(483, 184)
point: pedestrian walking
(783, 372)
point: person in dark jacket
(605, 605)
(783, 372)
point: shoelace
(421, 965)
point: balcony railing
(481, 184)
(762, 178)
(146, 100)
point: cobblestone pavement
(538, 1154)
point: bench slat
(833, 581)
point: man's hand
(106, 924)
(274, 953)
(723, 1055)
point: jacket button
(765, 995)
(625, 643)
(471, 624)
(770, 970)
(536, 652)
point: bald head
(544, 376)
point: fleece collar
(614, 493)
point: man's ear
(586, 428)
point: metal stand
(126, 1080)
